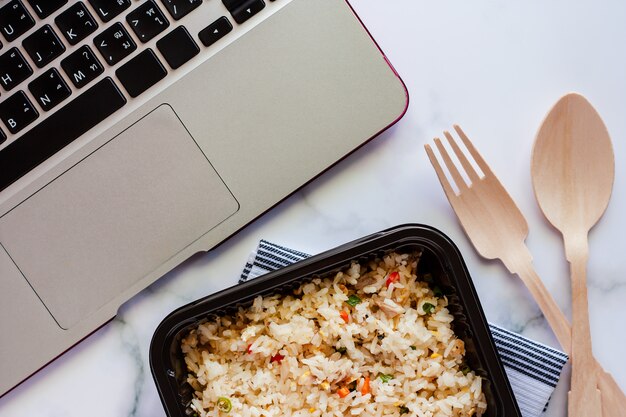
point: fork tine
(471, 172)
(472, 150)
(447, 188)
(456, 175)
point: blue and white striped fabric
(533, 368)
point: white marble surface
(495, 67)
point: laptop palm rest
(107, 222)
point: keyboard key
(17, 112)
(76, 23)
(243, 10)
(49, 89)
(108, 9)
(13, 69)
(177, 47)
(233, 4)
(114, 44)
(147, 21)
(179, 8)
(43, 46)
(14, 20)
(59, 129)
(82, 66)
(141, 72)
(215, 31)
(45, 8)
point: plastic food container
(440, 257)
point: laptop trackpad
(113, 218)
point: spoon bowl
(573, 168)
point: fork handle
(519, 262)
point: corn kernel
(434, 355)
(311, 409)
(304, 378)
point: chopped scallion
(465, 369)
(385, 377)
(353, 300)
(404, 409)
(428, 308)
(224, 404)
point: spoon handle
(613, 399)
(584, 397)
(519, 262)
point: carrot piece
(344, 315)
(343, 392)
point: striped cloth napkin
(533, 368)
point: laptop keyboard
(62, 61)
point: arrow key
(114, 44)
(246, 10)
(215, 31)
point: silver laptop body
(177, 167)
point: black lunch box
(440, 257)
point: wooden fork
(498, 230)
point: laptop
(137, 133)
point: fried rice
(375, 340)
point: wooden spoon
(573, 168)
